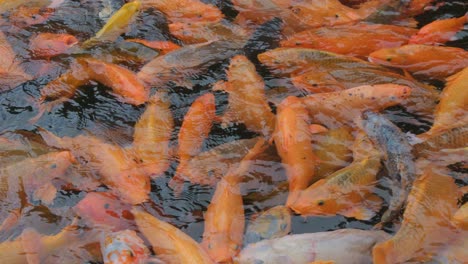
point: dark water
(94, 110)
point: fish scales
(398, 158)
(453, 138)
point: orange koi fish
(117, 169)
(452, 108)
(185, 10)
(123, 247)
(247, 101)
(25, 16)
(333, 149)
(152, 136)
(460, 218)
(104, 210)
(321, 13)
(332, 71)
(35, 174)
(430, 61)
(194, 130)
(293, 142)
(123, 82)
(169, 243)
(453, 138)
(224, 217)
(439, 31)
(11, 73)
(161, 46)
(32, 247)
(199, 32)
(348, 191)
(49, 44)
(342, 39)
(65, 86)
(426, 221)
(347, 105)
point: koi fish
(123, 247)
(348, 191)
(293, 142)
(349, 104)
(194, 130)
(161, 46)
(152, 136)
(426, 221)
(11, 73)
(178, 65)
(49, 44)
(116, 25)
(460, 218)
(398, 158)
(199, 32)
(123, 82)
(439, 31)
(210, 166)
(342, 39)
(341, 246)
(170, 244)
(452, 108)
(26, 16)
(32, 247)
(6, 5)
(423, 60)
(273, 223)
(185, 10)
(118, 171)
(247, 101)
(224, 217)
(449, 139)
(36, 175)
(103, 209)
(348, 72)
(333, 149)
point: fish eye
(53, 166)
(321, 202)
(389, 59)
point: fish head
(221, 248)
(318, 199)
(389, 57)
(123, 247)
(104, 209)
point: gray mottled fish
(273, 223)
(398, 158)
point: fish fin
(366, 210)
(177, 185)
(317, 129)
(32, 246)
(50, 139)
(219, 86)
(46, 193)
(183, 83)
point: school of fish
(336, 109)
